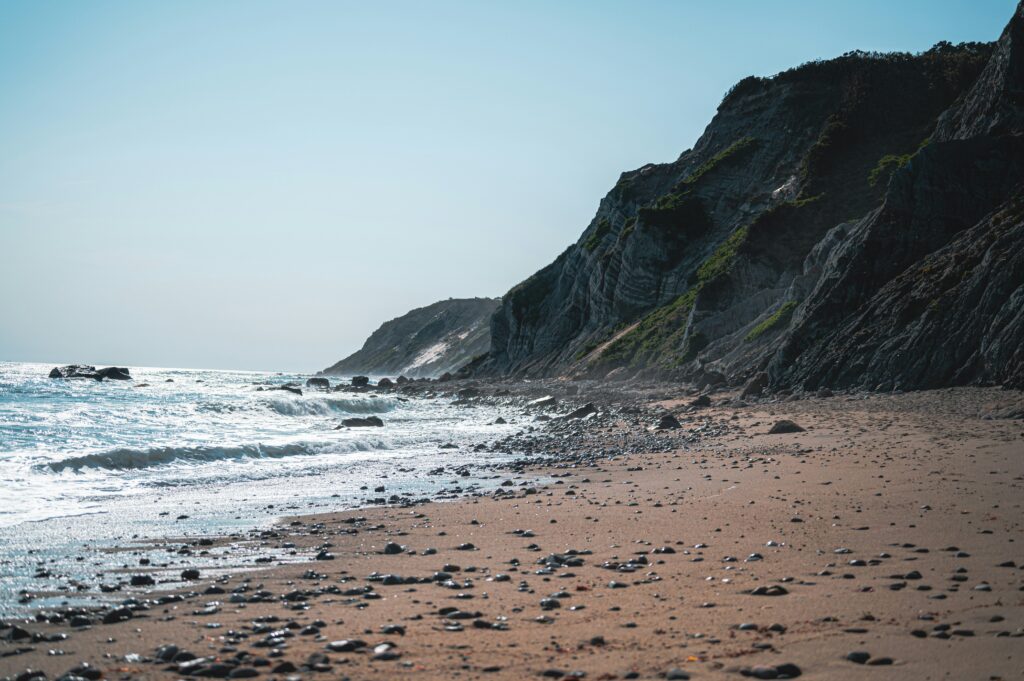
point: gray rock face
(426, 342)
(853, 222)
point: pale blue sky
(261, 184)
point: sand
(892, 526)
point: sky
(260, 185)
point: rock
(142, 580)
(117, 615)
(385, 384)
(774, 590)
(318, 382)
(190, 574)
(675, 673)
(545, 402)
(87, 371)
(785, 426)
(702, 401)
(360, 381)
(391, 548)
(363, 422)
(858, 656)
(585, 410)
(755, 386)
(115, 373)
(668, 422)
(346, 645)
(500, 421)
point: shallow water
(86, 464)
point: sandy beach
(883, 541)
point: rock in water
(785, 426)
(360, 381)
(367, 422)
(318, 382)
(87, 371)
(115, 373)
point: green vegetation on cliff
(781, 315)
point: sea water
(88, 465)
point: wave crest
(134, 459)
(326, 406)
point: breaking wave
(326, 406)
(133, 459)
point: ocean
(86, 466)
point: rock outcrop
(88, 371)
(848, 223)
(426, 342)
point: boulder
(115, 373)
(755, 386)
(702, 401)
(542, 402)
(76, 371)
(668, 422)
(385, 384)
(401, 380)
(360, 381)
(585, 410)
(367, 422)
(318, 382)
(785, 426)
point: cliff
(425, 342)
(851, 222)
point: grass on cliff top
(781, 315)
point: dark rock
(585, 410)
(858, 656)
(190, 574)
(117, 615)
(114, 373)
(668, 422)
(363, 422)
(360, 381)
(318, 382)
(87, 371)
(785, 426)
(755, 386)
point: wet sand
(890, 531)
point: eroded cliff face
(816, 205)
(425, 342)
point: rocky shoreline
(883, 533)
